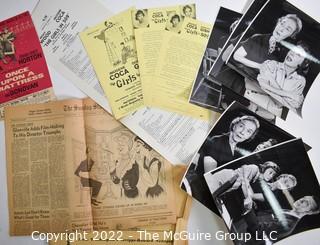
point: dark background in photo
(207, 93)
(218, 92)
(267, 130)
(243, 23)
(265, 23)
(292, 158)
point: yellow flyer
(111, 48)
(163, 18)
(149, 36)
(177, 65)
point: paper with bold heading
(177, 143)
(111, 48)
(163, 18)
(178, 61)
(149, 40)
(58, 24)
(72, 166)
(24, 75)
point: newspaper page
(111, 48)
(160, 234)
(136, 181)
(40, 172)
(24, 75)
(58, 24)
(71, 166)
(178, 61)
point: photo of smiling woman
(238, 132)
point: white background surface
(201, 220)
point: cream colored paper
(47, 145)
(168, 81)
(149, 40)
(111, 48)
(183, 207)
(160, 18)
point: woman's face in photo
(304, 204)
(140, 17)
(188, 12)
(294, 59)
(268, 174)
(284, 29)
(285, 182)
(175, 22)
(243, 130)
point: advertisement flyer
(111, 48)
(24, 76)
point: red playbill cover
(24, 75)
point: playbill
(71, 166)
(58, 24)
(24, 75)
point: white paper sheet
(58, 24)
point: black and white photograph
(237, 133)
(188, 11)
(218, 93)
(220, 73)
(174, 22)
(279, 56)
(140, 18)
(268, 195)
(207, 92)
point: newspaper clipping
(71, 166)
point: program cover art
(23, 69)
